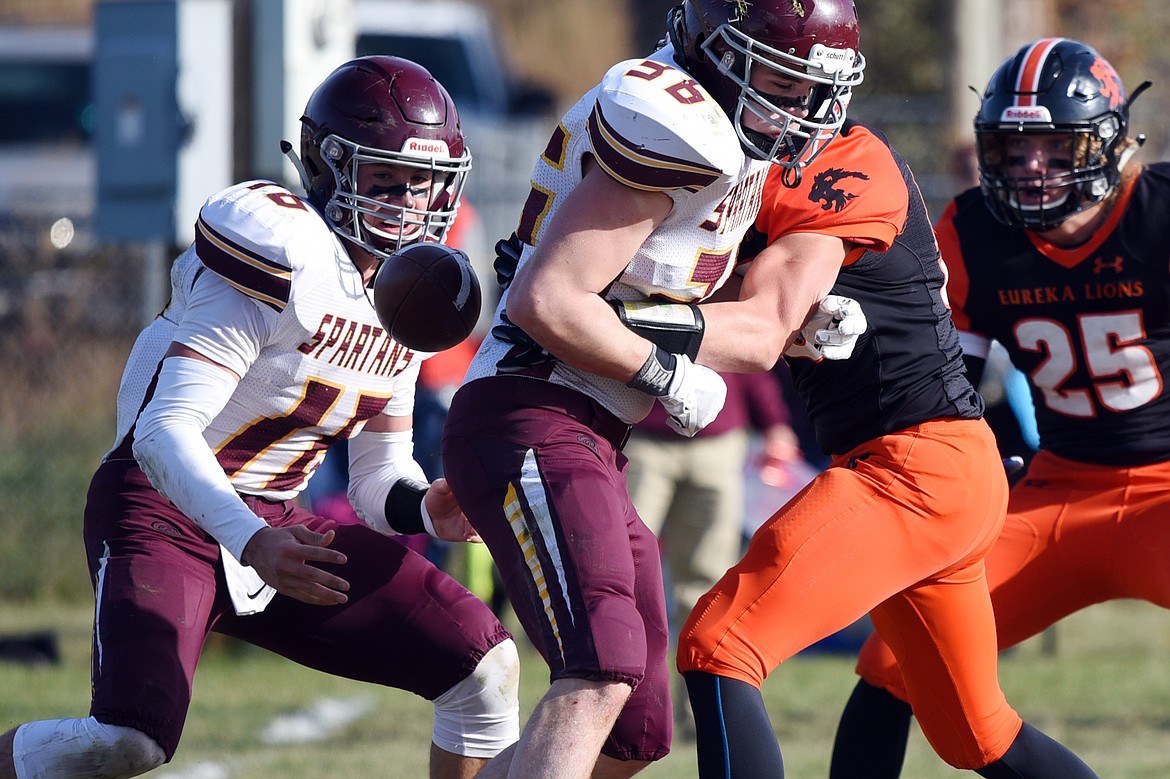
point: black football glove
(526, 352)
(508, 252)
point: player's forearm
(581, 329)
(557, 295)
(780, 291)
(196, 484)
(743, 338)
(380, 462)
(170, 447)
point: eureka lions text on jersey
(1089, 325)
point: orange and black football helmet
(1053, 86)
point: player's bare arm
(556, 296)
(779, 293)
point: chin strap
(791, 176)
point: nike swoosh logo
(256, 594)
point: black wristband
(404, 506)
(654, 376)
(676, 327)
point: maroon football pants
(160, 590)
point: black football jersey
(907, 368)
(1089, 325)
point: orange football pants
(897, 528)
(1076, 534)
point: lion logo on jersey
(830, 198)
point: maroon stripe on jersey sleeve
(256, 276)
(557, 150)
(641, 168)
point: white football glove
(694, 398)
(832, 332)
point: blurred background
(117, 118)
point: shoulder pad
(654, 127)
(255, 235)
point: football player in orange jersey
(899, 523)
(268, 353)
(1059, 256)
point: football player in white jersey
(637, 208)
(268, 353)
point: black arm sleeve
(404, 506)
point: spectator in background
(1060, 257)
(690, 491)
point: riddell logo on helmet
(1016, 113)
(429, 148)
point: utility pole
(985, 32)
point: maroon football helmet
(719, 42)
(382, 110)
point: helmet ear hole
(310, 166)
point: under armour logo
(1100, 265)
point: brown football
(427, 296)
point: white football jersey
(314, 362)
(650, 126)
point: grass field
(1105, 691)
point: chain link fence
(67, 319)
